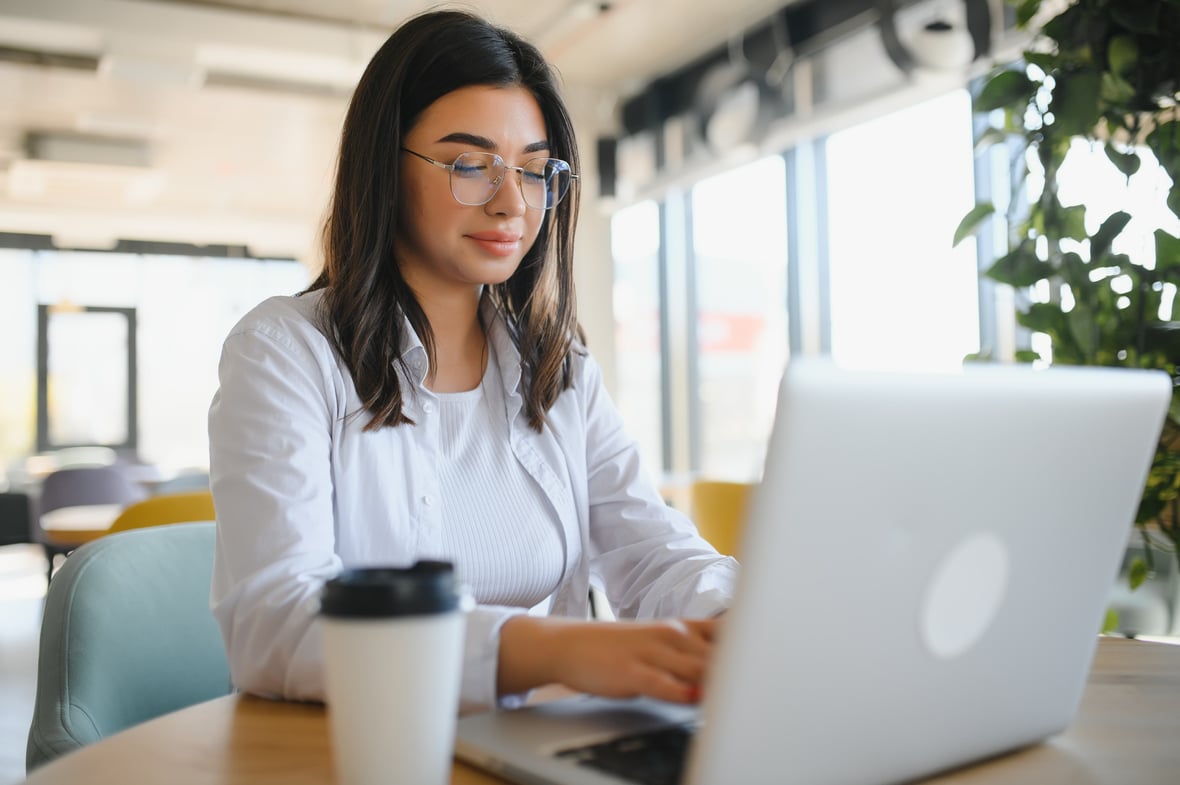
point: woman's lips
(497, 243)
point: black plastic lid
(372, 592)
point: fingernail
(694, 694)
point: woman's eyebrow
(471, 139)
(485, 143)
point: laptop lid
(925, 568)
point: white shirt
(499, 530)
(302, 491)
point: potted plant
(1106, 72)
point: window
(635, 246)
(18, 356)
(739, 236)
(901, 296)
(184, 307)
(189, 305)
(85, 376)
(848, 236)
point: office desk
(1125, 734)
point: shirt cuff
(482, 659)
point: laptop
(925, 568)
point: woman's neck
(460, 344)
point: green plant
(1105, 71)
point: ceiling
(216, 121)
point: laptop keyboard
(653, 758)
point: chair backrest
(167, 508)
(186, 481)
(127, 635)
(718, 509)
(81, 485)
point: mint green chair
(127, 635)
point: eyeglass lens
(476, 177)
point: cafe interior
(760, 179)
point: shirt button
(428, 500)
(428, 407)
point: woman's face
(447, 245)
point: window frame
(44, 443)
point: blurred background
(759, 177)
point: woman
(427, 397)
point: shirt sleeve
(648, 557)
(270, 434)
(481, 660)
(270, 443)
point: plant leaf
(1116, 91)
(1046, 61)
(1074, 270)
(1073, 222)
(1082, 329)
(1110, 622)
(1150, 506)
(1075, 103)
(1043, 318)
(1122, 53)
(1034, 221)
(1026, 11)
(1019, 268)
(1167, 251)
(1101, 241)
(1164, 141)
(1007, 88)
(1068, 28)
(972, 220)
(1026, 356)
(1137, 573)
(1127, 163)
(1174, 198)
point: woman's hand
(666, 660)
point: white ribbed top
(498, 528)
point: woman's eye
(470, 170)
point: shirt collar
(413, 353)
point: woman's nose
(509, 198)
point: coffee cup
(393, 651)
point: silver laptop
(925, 567)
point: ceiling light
(87, 149)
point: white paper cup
(393, 649)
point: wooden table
(1127, 733)
(80, 523)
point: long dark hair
(364, 291)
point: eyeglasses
(477, 177)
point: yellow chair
(166, 508)
(718, 509)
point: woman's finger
(683, 667)
(662, 685)
(685, 636)
(705, 629)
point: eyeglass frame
(520, 170)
